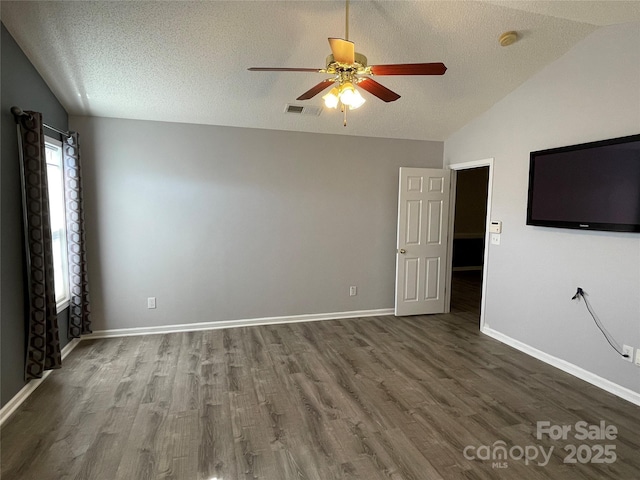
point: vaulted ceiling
(187, 61)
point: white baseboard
(249, 322)
(477, 268)
(17, 400)
(469, 236)
(570, 368)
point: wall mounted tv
(592, 186)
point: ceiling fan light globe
(357, 100)
(331, 99)
(347, 94)
(346, 87)
(331, 102)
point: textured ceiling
(187, 61)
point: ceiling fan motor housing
(358, 67)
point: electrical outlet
(151, 302)
(495, 239)
(627, 350)
(638, 357)
(353, 291)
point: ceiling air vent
(303, 110)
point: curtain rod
(18, 112)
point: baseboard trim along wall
(570, 368)
(29, 388)
(248, 322)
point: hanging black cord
(582, 294)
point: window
(53, 150)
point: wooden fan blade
(312, 92)
(343, 50)
(380, 91)
(283, 69)
(409, 69)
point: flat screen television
(591, 186)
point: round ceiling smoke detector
(507, 38)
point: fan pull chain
(344, 109)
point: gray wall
(225, 223)
(21, 86)
(591, 93)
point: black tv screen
(591, 186)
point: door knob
(403, 251)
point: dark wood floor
(372, 398)
(466, 294)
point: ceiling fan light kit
(348, 69)
(345, 94)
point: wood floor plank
(215, 443)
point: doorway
(470, 218)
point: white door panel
(423, 213)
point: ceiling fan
(349, 69)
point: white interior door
(423, 226)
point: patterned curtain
(43, 343)
(79, 317)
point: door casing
(487, 162)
